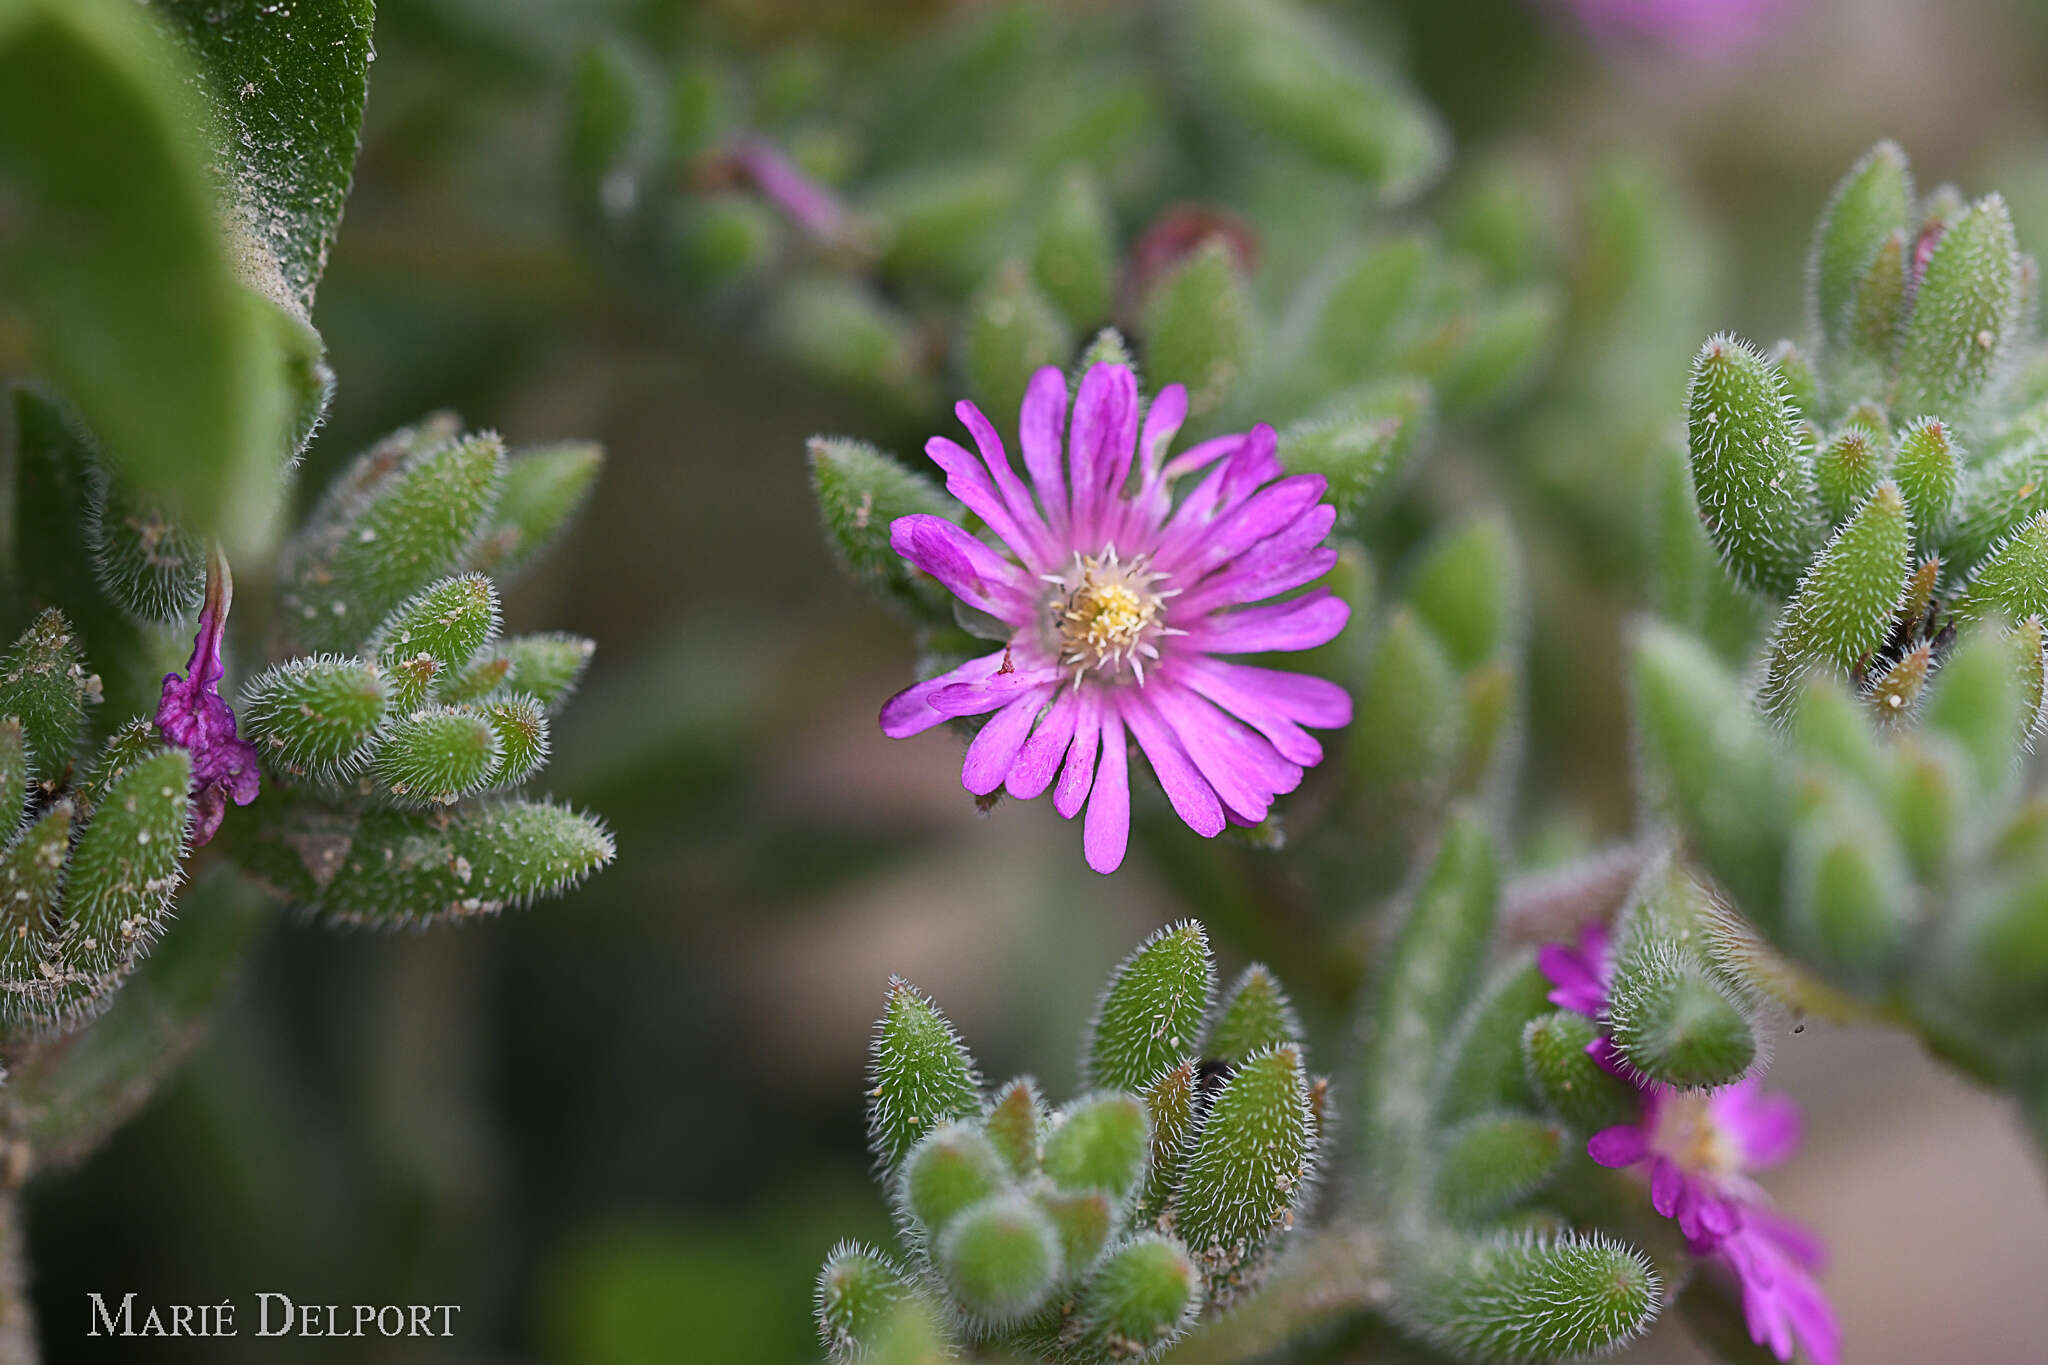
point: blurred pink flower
(1119, 597)
(1693, 28)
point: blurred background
(632, 1118)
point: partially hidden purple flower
(193, 716)
(1699, 1149)
(1121, 594)
(1579, 974)
(808, 204)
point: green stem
(1553, 905)
(1329, 1276)
(17, 1311)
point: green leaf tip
(861, 492)
(952, 1167)
(858, 1292)
(1571, 1084)
(1965, 315)
(1099, 1143)
(1755, 494)
(1250, 1165)
(1493, 1162)
(1529, 1297)
(1000, 1259)
(1152, 1013)
(1255, 1014)
(315, 717)
(919, 1074)
(43, 684)
(1869, 204)
(1141, 1299)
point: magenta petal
(1266, 513)
(1793, 1240)
(1162, 423)
(1078, 775)
(967, 479)
(1107, 831)
(1016, 497)
(809, 204)
(1203, 454)
(1039, 760)
(909, 712)
(1765, 1126)
(977, 696)
(1243, 768)
(995, 748)
(1718, 1216)
(192, 714)
(1256, 462)
(1191, 796)
(968, 569)
(1238, 689)
(1041, 431)
(1100, 445)
(1301, 697)
(1667, 1184)
(1812, 1319)
(1298, 623)
(1578, 986)
(1285, 560)
(1622, 1145)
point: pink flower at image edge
(1120, 600)
(1699, 1149)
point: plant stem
(1329, 1276)
(17, 1311)
(1553, 905)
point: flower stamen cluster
(1106, 613)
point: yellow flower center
(1688, 1134)
(1106, 613)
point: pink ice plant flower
(1122, 594)
(1699, 1148)
(192, 715)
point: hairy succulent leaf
(1151, 1015)
(919, 1072)
(315, 717)
(1755, 493)
(43, 684)
(543, 489)
(1249, 1167)
(1527, 1298)
(858, 1291)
